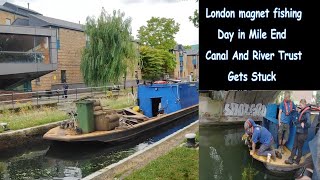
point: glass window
(8, 21)
(63, 76)
(41, 48)
(24, 49)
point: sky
(139, 10)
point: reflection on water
(223, 156)
(64, 161)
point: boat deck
(279, 164)
(67, 135)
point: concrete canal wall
(13, 139)
(142, 158)
(228, 107)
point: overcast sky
(139, 10)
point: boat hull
(122, 135)
(279, 165)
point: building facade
(187, 62)
(69, 43)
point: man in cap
(261, 135)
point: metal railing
(18, 99)
(21, 57)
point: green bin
(85, 116)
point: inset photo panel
(259, 134)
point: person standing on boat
(262, 135)
(302, 125)
(285, 117)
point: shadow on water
(224, 156)
(77, 160)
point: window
(38, 81)
(194, 62)
(63, 76)
(24, 48)
(58, 40)
(8, 21)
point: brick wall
(6, 15)
(177, 69)
(69, 58)
(190, 66)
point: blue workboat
(270, 122)
(159, 103)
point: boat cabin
(154, 99)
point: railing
(17, 99)
(21, 57)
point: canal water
(223, 156)
(63, 161)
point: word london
(255, 55)
(253, 15)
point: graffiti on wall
(235, 109)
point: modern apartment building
(53, 42)
(187, 62)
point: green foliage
(32, 117)
(117, 103)
(187, 47)
(156, 62)
(195, 18)
(110, 51)
(159, 33)
(249, 173)
(179, 163)
(318, 98)
(158, 39)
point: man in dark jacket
(65, 90)
(302, 124)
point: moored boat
(270, 122)
(158, 104)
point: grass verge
(29, 117)
(179, 163)
(117, 103)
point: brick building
(70, 41)
(187, 62)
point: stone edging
(20, 137)
(142, 158)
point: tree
(318, 98)
(158, 39)
(110, 51)
(156, 62)
(195, 18)
(159, 33)
(187, 47)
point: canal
(223, 156)
(49, 160)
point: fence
(17, 99)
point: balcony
(26, 53)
